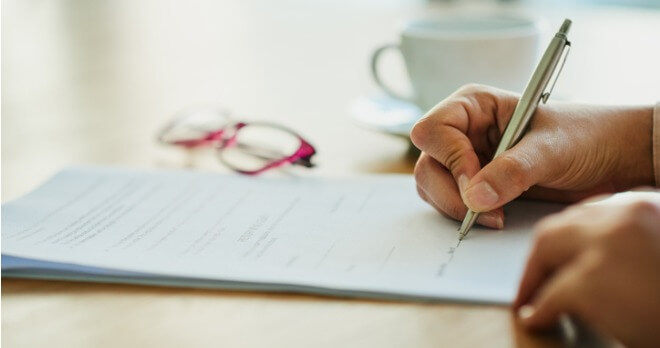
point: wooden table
(91, 82)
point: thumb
(504, 178)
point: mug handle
(374, 72)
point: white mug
(443, 54)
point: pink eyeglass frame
(302, 156)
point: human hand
(568, 153)
(600, 263)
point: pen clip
(546, 95)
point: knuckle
(544, 238)
(455, 157)
(643, 208)
(472, 88)
(635, 223)
(420, 132)
(550, 228)
(543, 226)
(620, 228)
(637, 211)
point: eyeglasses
(248, 148)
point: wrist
(636, 167)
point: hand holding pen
(554, 160)
(534, 93)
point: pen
(533, 94)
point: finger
(557, 242)
(557, 297)
(439, 186)
(506, 177)
(439, 189)
(424, 196)
(464, 128)
(442, 136)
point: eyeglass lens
(257, 145)
(196, 124)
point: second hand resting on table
(598, 262)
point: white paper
(368, 236)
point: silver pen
(534, 93)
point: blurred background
(91, 82)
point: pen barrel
(527, 104)
(533, 93)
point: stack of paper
(365, 236)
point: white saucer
(385, 114)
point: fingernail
(491, 220)
(463, 183)
(525, 312)
(481, 197)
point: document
(367, 236)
